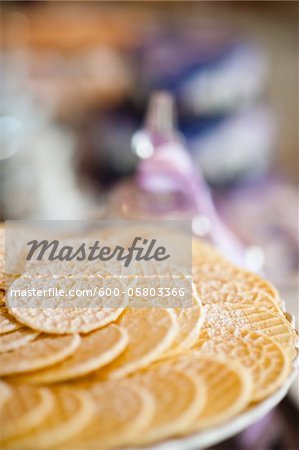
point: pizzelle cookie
(58, 317)
(151, 332)
(228, 388)
(225, 317)
(123, 411)
(5, 393)
(254, 280)
(189, 313)
(255, 298)
(217, 290)
(96, 349)
(73, 300)
(26, 409)
(7, 322)
(42, 352)
(179, 397)
(231, 279)
(157, 372)
(190, 321)
(16, 339)
(71, 413)
(265, 358)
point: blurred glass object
(166, 184)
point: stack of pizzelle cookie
(99, 377)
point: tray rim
(214, 435)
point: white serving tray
(213, 436)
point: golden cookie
(179, 397)
(16, 339)
(228, 384)
(220, 291)
(123, 410)
(190, 321)
(43, 352)
(221, 317)
(26, 409)
(83, 306)
(151, 332)
(7, 321)
(265, 358)
(5, 393)
(71, 413)
(95, 350)
(230, 279)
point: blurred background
(77, 79)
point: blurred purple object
(236, 79)
(270, 210)
(166, 176)
(255, 435)
(208, 69)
